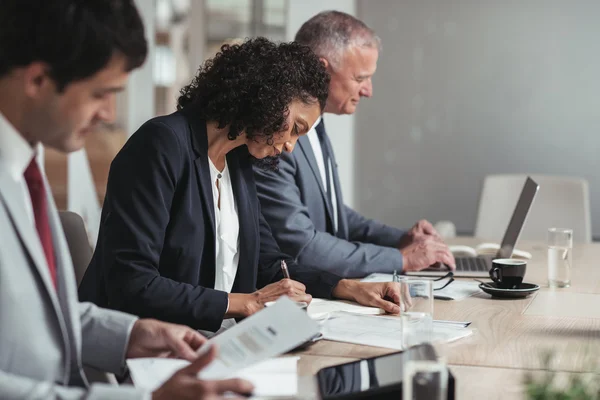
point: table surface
(506, 342)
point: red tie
(35, 183)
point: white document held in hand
(266, 334)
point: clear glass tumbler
(425, 380)
(560, 257)
(416, 308)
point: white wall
(339, 128)
(136, 105)
(468, 88)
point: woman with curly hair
(182, 238)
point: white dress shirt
(227, 233)
(313, 138)
(16, 154)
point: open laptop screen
(518, 219)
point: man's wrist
(344, 289)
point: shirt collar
(316, 123)
(15, 152)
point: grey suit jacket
(293, 201)
(46, 335)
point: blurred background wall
(467, 88)
(464, 88)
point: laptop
(479, 266)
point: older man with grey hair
(302, 201)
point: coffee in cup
(508, 273)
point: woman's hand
(244, 305)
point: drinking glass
(425, 380)
(416, 305)
(560, 257)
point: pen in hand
(284, 269)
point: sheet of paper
(320, 308)
(457, 290)
(458, 324)
(266, 334)
(381, 331)
(273, 377)
(150, 373)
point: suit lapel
(342, 229)
(200, 146)
(65, 277)
(307, 150)
(11, 192)
(248, 232)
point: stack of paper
(383, 331)
(274, 377)
(320, 308)
(457, 290)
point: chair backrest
(81, 253)
(77, 239)
(561, 202)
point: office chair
(561, 202)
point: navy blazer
(155, 255)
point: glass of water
(416, 305)
(425, 380)
(560, 257)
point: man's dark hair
(76, 38)
(249, 86)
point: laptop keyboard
(471, 264)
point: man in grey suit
(61, 62)
(302, 201)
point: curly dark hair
(249, 86)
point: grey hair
(329, 33)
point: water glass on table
(560, 257)
(416, 305)
(425, 380)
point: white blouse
(227, 232)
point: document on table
(273, 377)
(382, 331)
(319, 308)
(457, 290)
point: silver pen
(284, 269)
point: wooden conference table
(509, 337)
